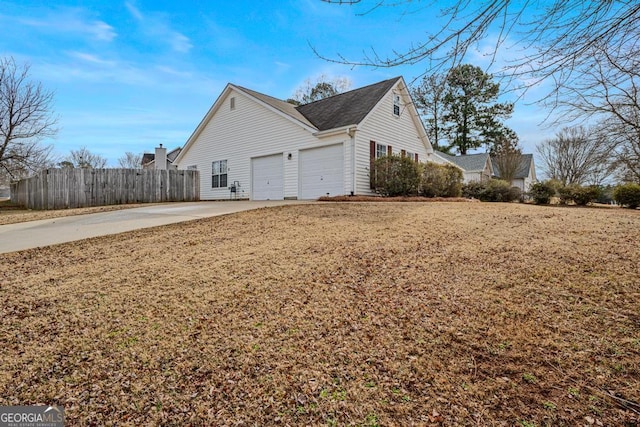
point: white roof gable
(276, 106)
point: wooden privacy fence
(76, 188)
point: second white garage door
(321, 172)
(267, 182)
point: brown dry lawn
(334, 314)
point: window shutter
(389, 150)
(416, 157)
(403, 153)
(372, 159)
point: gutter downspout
(352, 133)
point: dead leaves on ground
(337, 314)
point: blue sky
(129, 75)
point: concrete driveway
(32, 234)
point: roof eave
(415, 118)
(275, 110)
(216, 106)
(203, 123)
(439, 155)
(336, 131)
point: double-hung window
(219, 174)
(376, 151)
(396, 105)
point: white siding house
(482, 167)
(525, 175)
(270, 149)
(475, 167)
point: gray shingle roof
(523, 168)
(171, 155)
(346, 108)
(279, 105)
(468, 162)
(148, 157)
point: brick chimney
(161, 158)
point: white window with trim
(381, 150)
(219, 174)
(410, 155)
(232, 103)
(396, 105)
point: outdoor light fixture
(289, 156)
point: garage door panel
(321, 172)
(267, 178)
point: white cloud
(154, 25)
(179, 42)
(172, 71)
(71, 21)
(94, 59)
(95, 70)
(282, 67)
(102, 31)
(134, 11)
(77, 68)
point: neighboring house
(481, 167)
(525, 174)
(4, 192)
(475, 167)
(268, 149)
(149, 159)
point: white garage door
(267, 181)
(321, 172)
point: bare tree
(625, 135)
(130, 161)
(588, 50)
(576, 156)
(323, 87)
(610, 91)
(555, 39)
(83, 158)
(25, 119)
(506, 156)
(627, 164)
(429, 99)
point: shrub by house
(396, 175)
(441, 180)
